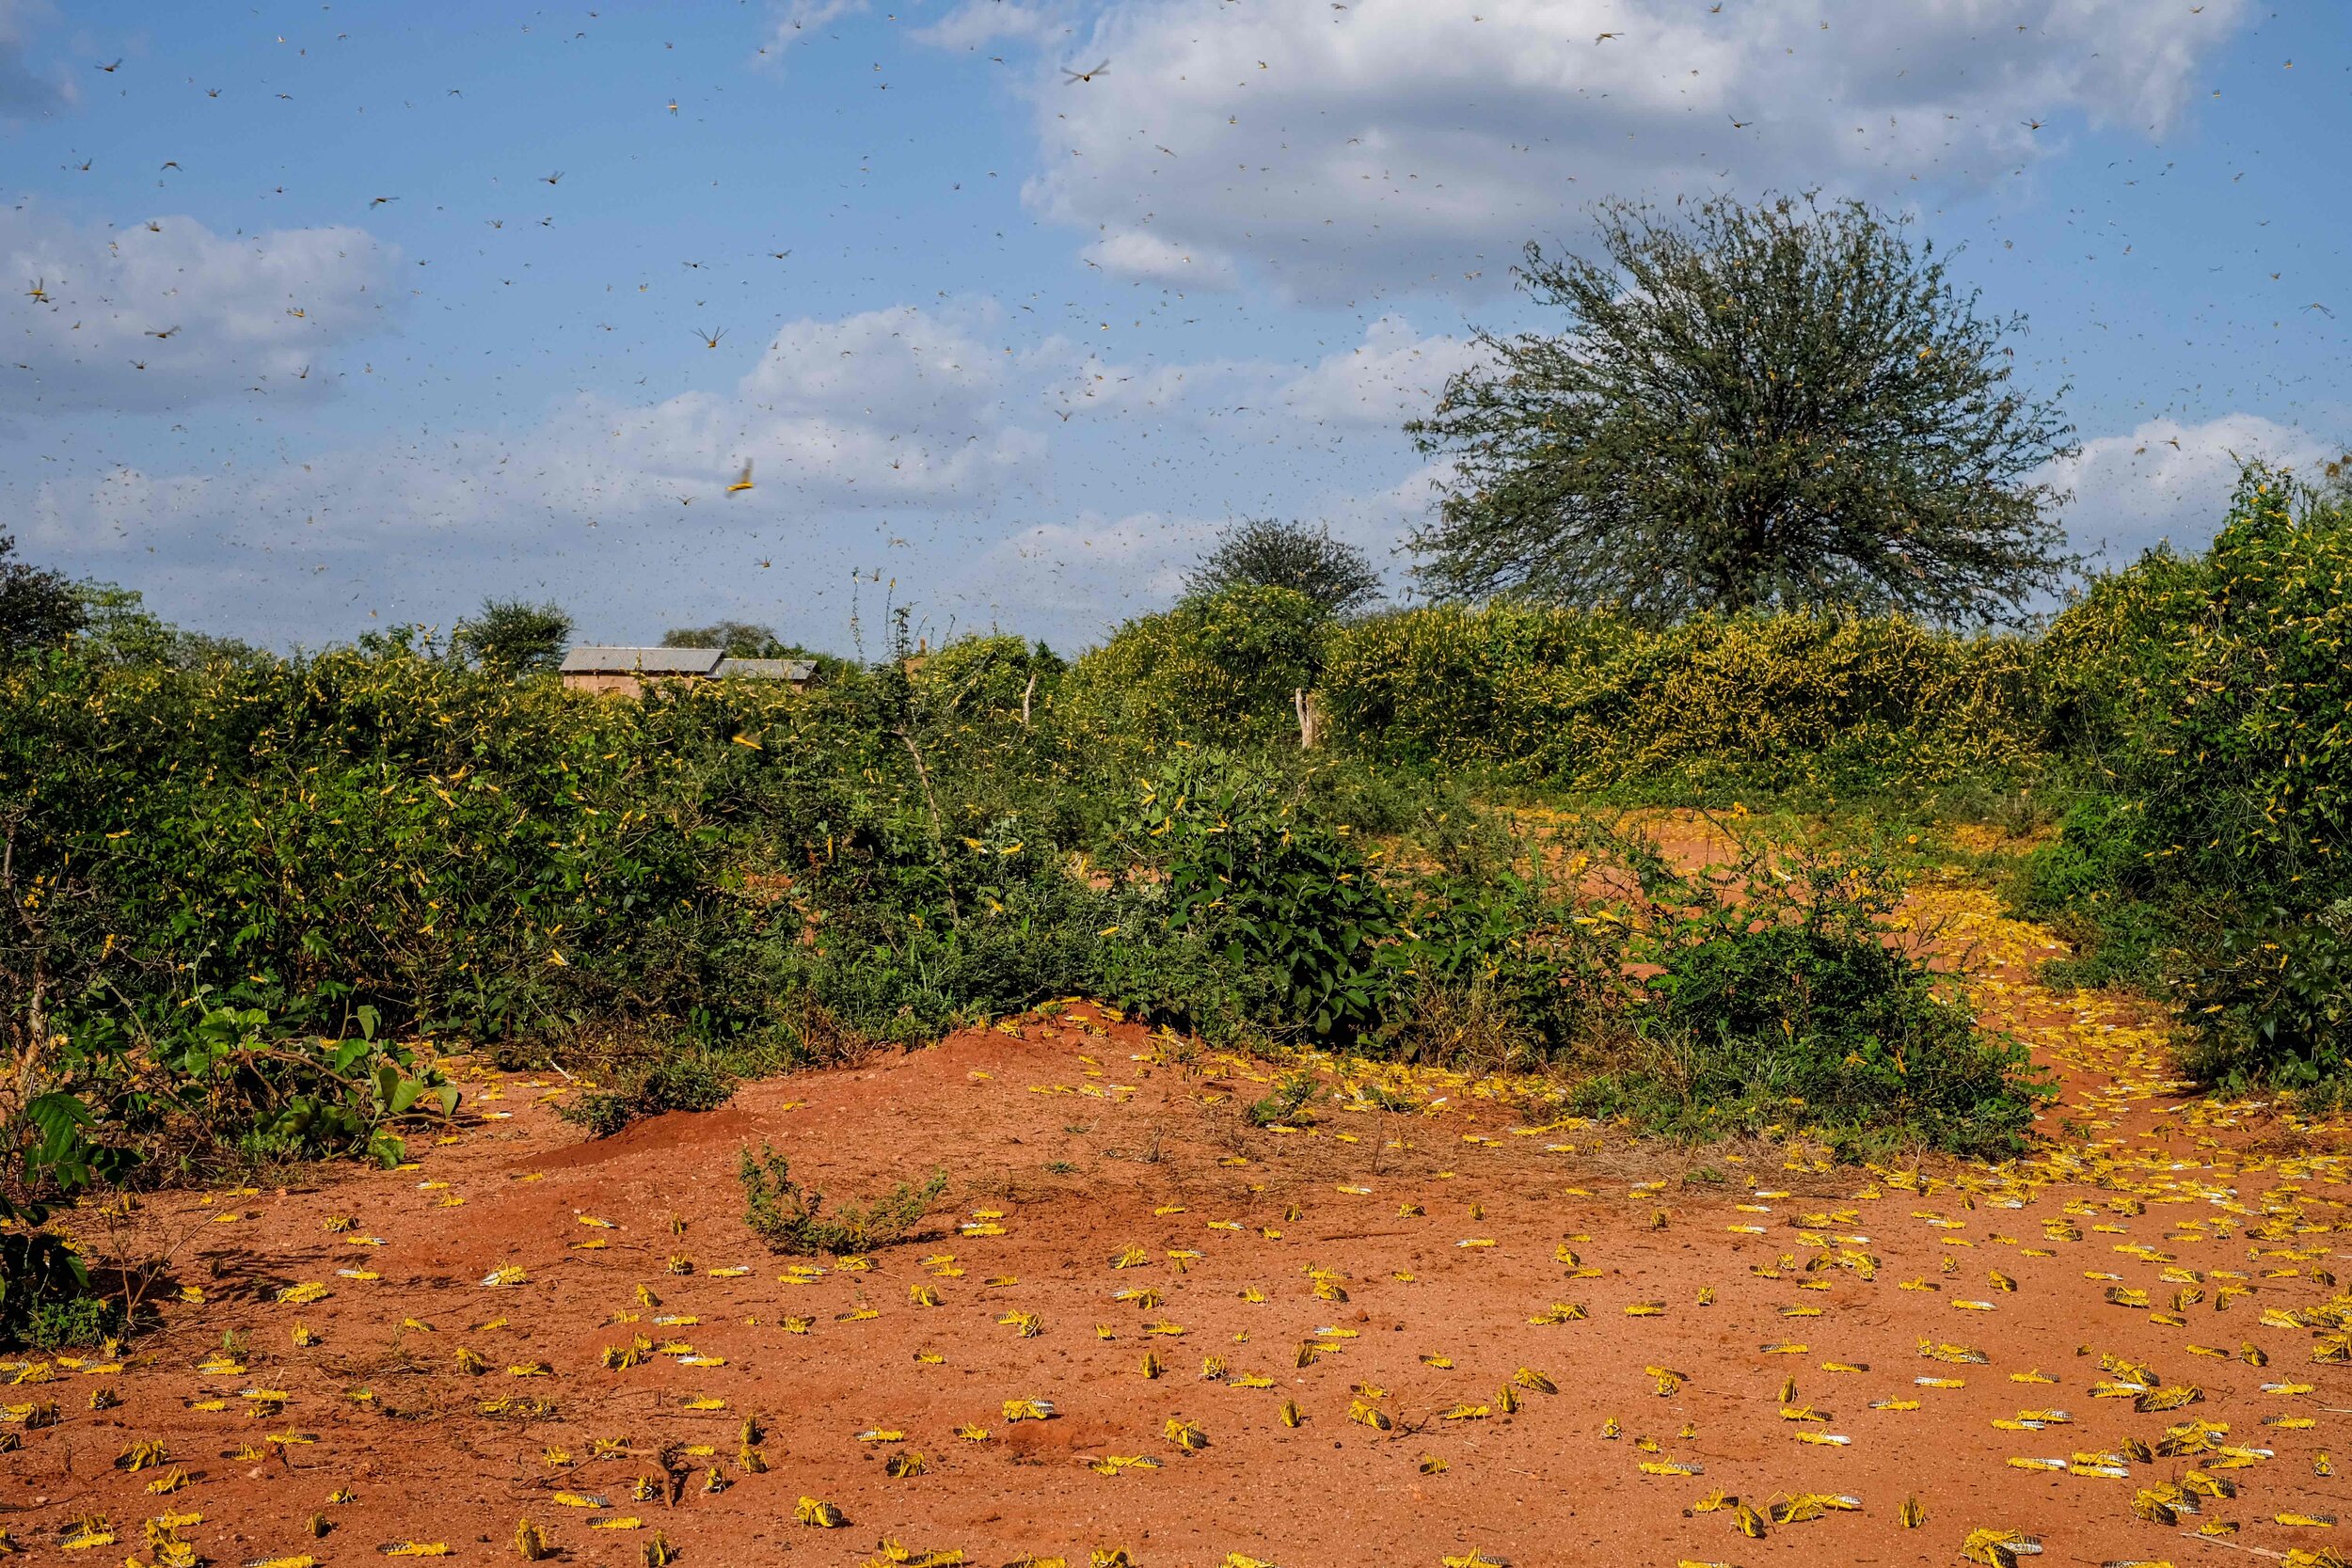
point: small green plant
(39, 1278)
(685, 1081)
(70, 1322)
(1384, 1098)
(1289, 1098)
(790, 1218)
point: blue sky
(1006, 345)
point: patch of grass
(790, 1218)
(1464, 1024)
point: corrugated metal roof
(796, 670)
(647, 661)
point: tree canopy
(1787, 405)
(516, 636)
(737, 639)
(1266, 552)
(38, 608)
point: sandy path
(1435, 1237)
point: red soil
(1091, 1138)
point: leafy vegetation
(246, 901)
(792, 1219)
(1583, 700)
(514, 636)
(1289, 1096)
(1220, 671)
(2208, 698)
(1266, 552)
(1781, 406)
(1779, 998)
(39, 609)
(688, 1078)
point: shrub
(2270, 1001)
(2209, 696)
(1219, 670)
(1469, 1025)
(42, 1284)
(1287, 1100)
(1589, 701)
(1292, 901)
(2212, 694)
(686, 1079)
(792, 1220)
(72, 1321)
(1779, 1000)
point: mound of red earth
(1429, 1319)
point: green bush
(42, 1284)
(1588, 701)
(2098, 854)
(2212, 694)
(1779, 999)
(1290, 899)
(790, 1219)
(2208, 697)
(1219, 670)
(72, 1322)
(2270, 1002)
(1288, 1098)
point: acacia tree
(1785, 405)
(738, 639)
(1266, 552)
(514, 636)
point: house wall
(607, 686)
(632, 686)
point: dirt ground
(1672, 1329)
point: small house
(624, 671)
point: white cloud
(1393, 376)
(165, 314)
(1116, 567)
(978, 22)
(900, 408)
(2166, 479)
(1135, 253)
(1400, 143)
(908, 437)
